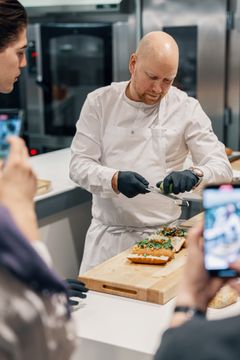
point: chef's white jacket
(115, 133)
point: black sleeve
(200, 339)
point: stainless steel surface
(210, 19)
(138, 13)
(123, 40)
(42, 6)
(177, 199)
(233, 85)
(34, 93)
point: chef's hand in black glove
(131, 183)
(77, 289)
(179, 181)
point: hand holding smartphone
(221, 228)
(10, 124)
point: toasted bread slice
(152, 252)
(148, 259)
(159, 247)
(177, 243)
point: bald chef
(138, 132)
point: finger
(235, 265)
(141, 178)
(25, 153)
(74, 281)
(141, 188)
(78, 287)
(167, 182)
(215, 285)
(182, 184)
(235, 284)
(1, 166)
(176, 185)
(194, 237)
(16, 149)
(73, 302)
(76, 294)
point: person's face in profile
(12, 60)
(151, 78)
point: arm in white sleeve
(85, 166)
(208, 153)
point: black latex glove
(77, 289)
(179, 181)
(131, 183)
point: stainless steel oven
(233, 78)
(200, 28)
(66, 61)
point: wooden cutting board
(153, 283)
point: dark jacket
(200, 339)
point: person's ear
(132, 63)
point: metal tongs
(178, 200)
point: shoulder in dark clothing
(200, 339)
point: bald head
(153, 68)
(160, 46)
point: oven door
(200, 29)
(72, 60)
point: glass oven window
(77, 68)
(76, 59)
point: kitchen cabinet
(64, 213)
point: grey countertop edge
(53, 204)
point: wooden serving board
(153, 283)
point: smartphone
(221, 205)
(10, 124)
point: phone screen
(10, 124)
(221, 228)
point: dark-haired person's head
(13, 43)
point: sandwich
(159, 248)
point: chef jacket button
(132, 132)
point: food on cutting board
(158, 248)
(228, 151)
(224, 297)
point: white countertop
(54, 166)
(106, 319)
(122, 322)
(127, 323)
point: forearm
(216, 172)
(91, 175)
(186, 299)
(25, 218)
